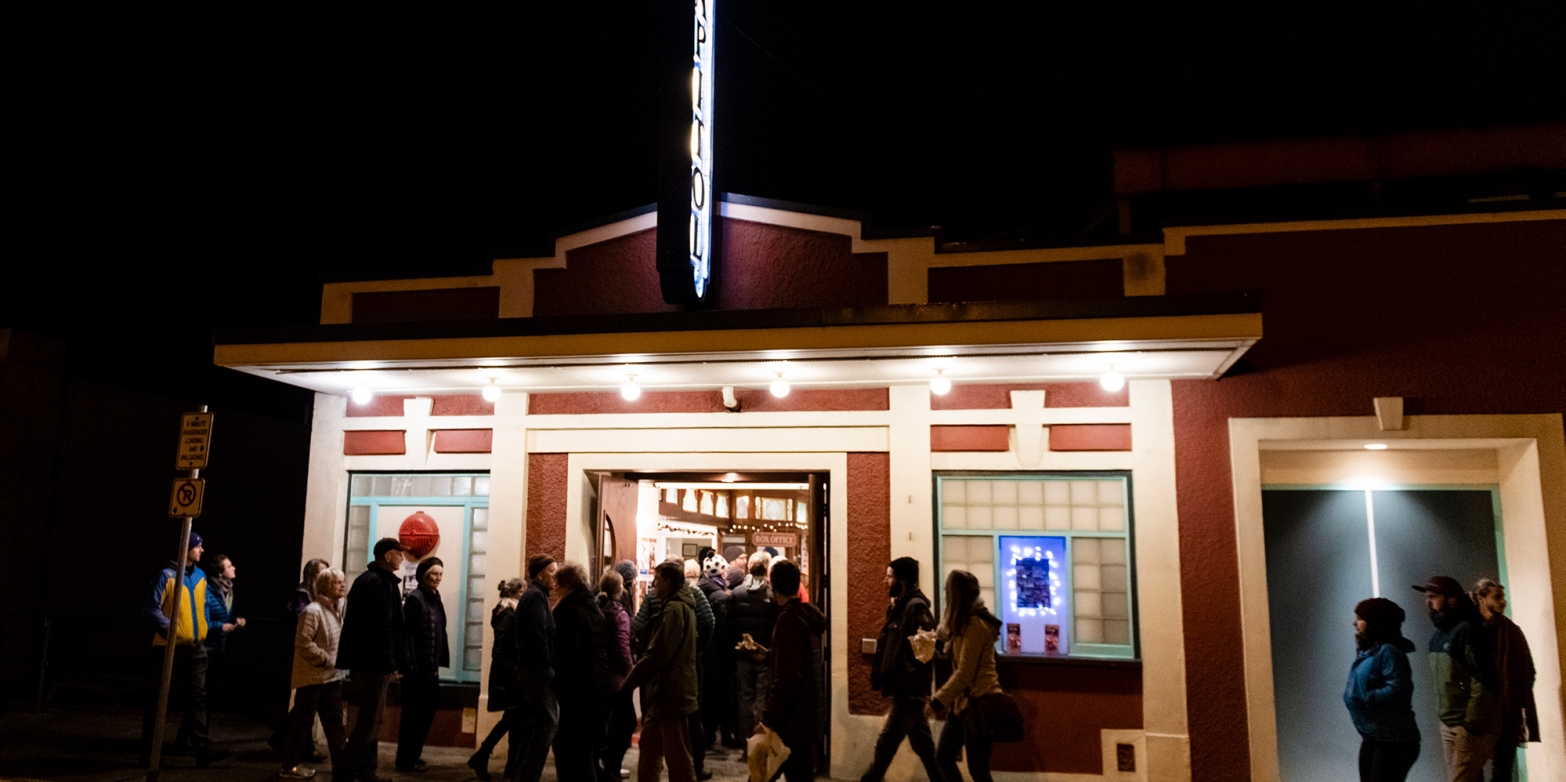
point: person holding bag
(900, 675)
(970, 632)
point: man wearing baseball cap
(1464, 678)
(374, 649)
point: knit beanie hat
(906, 569)
(1384, 617)
(731, 553)
(627, 570)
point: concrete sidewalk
(101, 745)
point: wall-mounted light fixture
(362, 396)
(780, 387)
(940, 384)
(630, 391)
(491, 391)
(1112, 381)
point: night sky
(201, 170)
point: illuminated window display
(442, 515)
(1051, 552)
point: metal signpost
(195, 440)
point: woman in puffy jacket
(969, 631)
(318, 682)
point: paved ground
(101, 745)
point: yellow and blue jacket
(185, 607)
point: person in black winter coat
(583, 676)
(504, 685)
(898, 675)
(374, 650)
(717, 676)
(753, 612)
(537, 715)
(425, 618)
(793, 706)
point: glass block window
(459, 503)
(1052, 554)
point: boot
(480, 765)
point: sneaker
(297, 772)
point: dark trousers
(360, 759)
(327, 701)
(487, 747)
(717, 696)
(617, 735)
(420, 699)
(698, 744)
(957, 735)
(533, 726)
(1386, 761)
(752, 685)
(580, 736)
(906, 719)
(1503, 764)
(801, 763)
(188, 686)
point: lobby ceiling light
(940, 385)
(491, 391)
(1375, 446)
(780, 387)
(630, 391)
(362, 396)
(1112, 381)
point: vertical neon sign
(701, 206)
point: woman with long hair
(304, 594)
(504, 692)
(969, 631)
(621, 711)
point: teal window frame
(471, 604)
(1129, 651)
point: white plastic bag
(923, 643)
(767, 753)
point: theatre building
(1175, 459)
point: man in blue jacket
(374, 650)
(176, 608)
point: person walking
(1463, 674)
(537, 714)
(717, 674)
(667, 675)
(178, 611)
(504, 684)
(753, 612)
(318, 684)
(424, 615)
(1515, 676)
(899, 675)
(1380, 693)
(302, 596)
(582, 638)
(648, 616)
(969, 631)
(620, 710)
(793, 707)
(222, 622)
(373, 648)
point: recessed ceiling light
(491, 391)
(1112, 381)
(631, 391)
(362, 396)
(1375, 446)
(940, 384)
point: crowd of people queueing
(1482, 672)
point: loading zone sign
(195, 440)
(185, 500)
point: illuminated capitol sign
(700, 241)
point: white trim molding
(1531, 456)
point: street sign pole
(168, 650)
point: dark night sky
(235, 157)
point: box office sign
(777, 539)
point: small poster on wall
(1052, 639)
(1013, 638)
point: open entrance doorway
(649, 516)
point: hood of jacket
(812, 616)
(686, 595)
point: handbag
(998, 715)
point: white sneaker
(297, 772)
(625, 773)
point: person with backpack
(667, 675)
(618, 705)
(900, 676)
(969, 631)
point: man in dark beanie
(1464, 680)
(1380, 693)
(899, 675)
